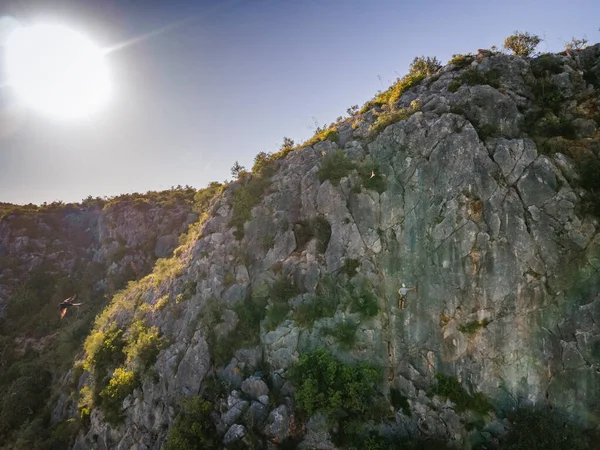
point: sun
(56, 70)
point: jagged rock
(255, 387)
(165, 245)
(234, 412)
(235, 433)
(256, 415)
(317, 434)
(585, 128)
(278, 424)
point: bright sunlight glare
(56, 70)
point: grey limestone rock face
(255, 387)
(490, 231)
(278, 423)
(235, 433)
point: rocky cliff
(476, 185)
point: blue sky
(238, 77)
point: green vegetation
(193, 427)
(422, 65)
(575, 45)
(325, 303)
(473, 77)
(350, 267)
(461, 61)
(188, 291)
(371, 177)
(399, 401)
(589, 172)
(363, 301)
(543, 429)
(473, 326)
(318, 228)
(121, 384)
(451, 388)
(144, 344)
(344, 333)
(246, 197)
(268, 241)
(522, 44)
(280, 293)
(386, 118)
(325, 384)
(335, 166)
(250, 313)
(203, 197)
(487, 130)
(323, 134)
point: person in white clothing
(402, 295)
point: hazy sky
(237, 77)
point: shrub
(400, 401)
(350, 267)
(203, 197)
(487, 130)
(104, 350)
(144, 345)
(334, 167)
(323, 134)
(366, 172)
(575, 44)
(473, 77)
(522, 44)
(325, 303)
(193, 427)
(450, 387)
(121, 384)
(546, 65)
(384, 119)
(325, 384)
(344, 333)
(245, 198)
(422, 65)
(461, 61)
(474, 326)
(280, 293)
(537, 429)
(364, 302)
(394, 92)
(237, 169)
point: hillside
(277, 323)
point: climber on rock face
(66, 304)
(402, 295)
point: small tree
(576, 44)
(522, 44)
(352, 110)
(261, 160)
(422, 65)
(288, 144)
(236, 169)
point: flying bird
(372, 173)
(66, 304)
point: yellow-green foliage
(474, 326)
(161, 303)
(166, 269)
(143, 346)
(461, 61)
(394, 92)
(162, 199)
(122, 383)
(104, 349)
(522, 44)
(323, 134)
(203, 197)
(386, 118)
(86, 402)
